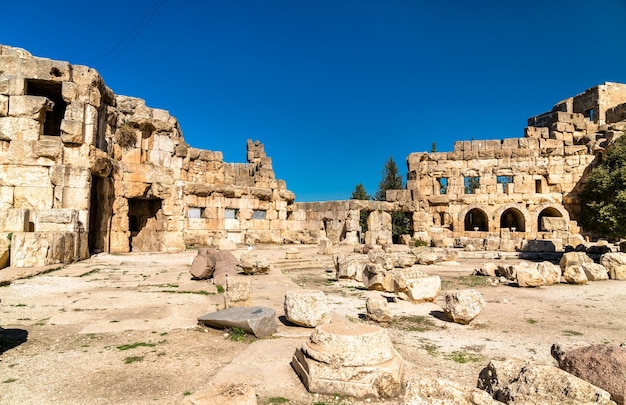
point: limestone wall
(83, 169)
(517, 188)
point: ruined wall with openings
(83, 169)
(507, 192)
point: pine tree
(392, 180)
(359, 193)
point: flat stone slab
(259, 321)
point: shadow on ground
(10, 338)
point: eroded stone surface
(463, 306)
(307, 308)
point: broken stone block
(601, 365)
(350, 266)
(550, 272)
(326, 246)
(351, 359)
(428, 391)
(575, 275)
(253, 265)
(522, 381)
(416, 286)
(463, 306)
(307, 308)
(202, 267)
(259, 321)
(378, 309)
(375, 277)
(238, 292)
(225, 266)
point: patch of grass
(19, 305)
(531, 321)
(569, 332)
(462, 357)
(473, 281)
(94, 271)
(135, 345)
(132, 359)
(220, 289)
(277, 400)
(9, 380)
(199, 292)
(239, 335)
(431, 349)
(416, 323)
(186, 393)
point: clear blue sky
(334, 88)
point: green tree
(603, 198)
(359, 193)
(392, 180)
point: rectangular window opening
(231, 213)
(258, 214)
(53, 92)
(443, 185)
(471, 184)
(195, 212)
(504, 181)
(538, 186)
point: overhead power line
(128, 39)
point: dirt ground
(123, 329)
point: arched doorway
(513, 219)
(476, 220)
(549, 212)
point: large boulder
(615, 263)
(463, 306)
(550, 272)
(259, 321)
(601, 365)
(595, 271)
(515, 381)
(306, 308)
(571, 267)
(529, 276)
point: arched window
(513, 219)
(476, 220)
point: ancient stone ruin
(85, 170)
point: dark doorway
(476, 220)
(513, 219)
(139, 212)
(100, 212)
(53, 92)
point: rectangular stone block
(12, 85)
(510, 143)
(16, 220)
(23, 129)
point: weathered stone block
(306, 308)
(259, 321)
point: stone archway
(514, 216)
(476, 220)
(551, 212)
